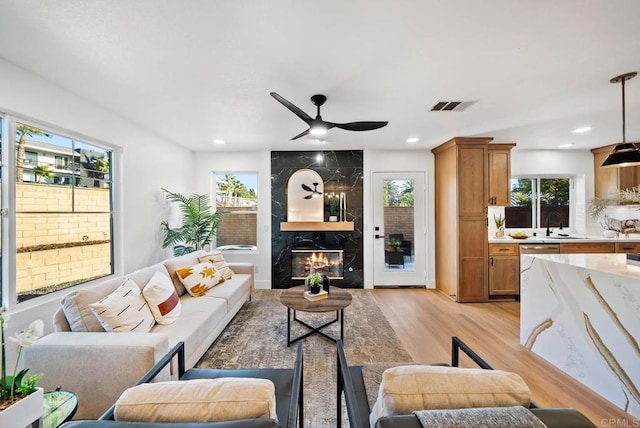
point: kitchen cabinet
(504, 270)
(627, 247)
(607, 181)
(465, 185)
(499, 176)
(587, 247)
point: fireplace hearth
(325, 262)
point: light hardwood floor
(425, 320)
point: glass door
(399, 229)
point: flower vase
(24, 411)
(500, 232)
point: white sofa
(99, 366)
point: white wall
(207, 163)
(578, 163)
(148, 163)
(397, 161)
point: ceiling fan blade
(302, 134)
(308, 197)
(307, 188)
(295, 109)
(360, 126)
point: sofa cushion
(197, 279)
(232, 290)
(124, 310)
(198, 400)
(177, 262)
(162, 298)
(200, 316)
(405, 389)
(219, 262)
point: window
(539, 201)
(63, 211)
(237, 194)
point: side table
(59, 407)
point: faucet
(557, 215)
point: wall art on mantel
(340, 171)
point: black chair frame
(345, 381)
(295, 411)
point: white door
(399, 229)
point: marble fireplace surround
(341, 171)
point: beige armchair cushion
(405, 389)
(198, 400)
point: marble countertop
(554, 240)
(608, 263)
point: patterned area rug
(257, 337)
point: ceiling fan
(318, 126)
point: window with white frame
(538, 202)
(236, 193)
(63, 214)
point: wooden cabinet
(609, 180)
(499, 176)
(504, 269)
(627, 247)
(465, 185)
(587, 247)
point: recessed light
(218, 141)
(581, 130)
(565, 146)
(412, 140)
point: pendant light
(623, 154)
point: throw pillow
(199, 278)
(162, 298)
(124, 310)
(219, 262)
(198, 400)
(405, 389)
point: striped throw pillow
(124, 310)
(219, 263)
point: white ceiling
(195, 70)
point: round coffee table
(293, 298)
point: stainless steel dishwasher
(539, 248)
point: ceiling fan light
(623, 154)
(318, 130)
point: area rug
(257, 337)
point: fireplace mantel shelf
(323, 226)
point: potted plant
(199, 224)
(333, 209)
(314, 283)
(499, 222)
(21, 401)
(394, 245)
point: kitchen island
(581, 312)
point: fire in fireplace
(324, 262)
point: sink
(565, 237)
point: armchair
(351, 382)
(288, 393)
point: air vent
(451, 105)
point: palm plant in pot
(199, 224)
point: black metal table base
(314, 330)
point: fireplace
(324, 262)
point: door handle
(378, 236)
